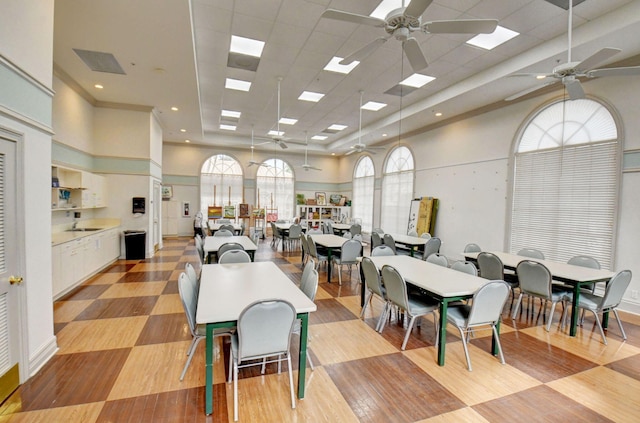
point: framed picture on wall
(321, 198)
(167, 192)
(186, 209)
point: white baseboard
(42, 356)
(630, 306)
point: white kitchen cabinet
(77, 189)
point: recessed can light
(174, 108)
(98, 86)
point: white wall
(122, 133)
(72, 118)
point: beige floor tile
(106, 278)
(352, 303)
(103, 334)
(267, 399)
(490, 379)
(168, 304)
(586, 344)
(605, 391)
(331, 345)
(85, 413)
(156, 368)
(146, 267)
(66, 311)
(464, 415)
(321, 294)
(134, 289)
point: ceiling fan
(278, 137)
(306, 166)
(360, 147)
(569, 72)
(253, 162)
(401, 22)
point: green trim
(123, 165)
(22, 95)
(631, 161)
(180, 180)
(65, 155)
(317, 186)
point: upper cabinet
(76, 189)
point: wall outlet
(634, 294)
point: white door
(155, 207)
(10, 281)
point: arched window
(220, 174)
(363, 180)
(397, 191)
(274, 183)
(566, 179)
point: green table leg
(208, 393)
(574, 310)
(329, 265)
(302, 358)
(442, 343)
(494, 344)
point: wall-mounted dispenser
(138, 205)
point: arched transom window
(397, 190)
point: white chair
(355, 229)
(376, 240)
(314, 254)
(193, 277)
(308, 285)
(223, 232)
(465, 267)
(264, 332)
(390, 242)
(349, 253)
(228, 246)
(485, 310)
(438, 259)
(531, 253)
(379, 231)
(472, 248)
(431, 247)
(382, 250)
(412, 233)
(234, 256)
(425, 235)
(200, 248)
(294, 235)
(610, 301)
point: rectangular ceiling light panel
(417, 80)
(335, 66)
(288, 121)
(310, 96)
(231, 114)
(490, 41)
(246, 46)
(337, 127)
(374, 106)
(237, 84)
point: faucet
(75, 223)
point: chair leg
(235, 391)
(367, 299)
(604, 338)
(406, 335)
(553, 309)
(515, 309)
(624, 335)
(383, 318)
(497, 338)
(340, 274)
(192, 350)
(290, 371)
(464, 346)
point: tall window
(363, 180)
(397, 190)
(221, 175)
(274, 183)
(566, 182)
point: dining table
(332, 243)
(442, 283)
(412, 243)
(341, 228)
(215, 227)
(213, 243)
(227, 289)
(569, 274)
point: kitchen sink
(83, 229)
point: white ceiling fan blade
(364, 52)
(339, 15)
(414, 54)
(282, 144)
(629, 71)
(533, 75)
(597, 58)
(574, 88)
(417, 7)
(353, 150)
(527, 91)
(462, 26)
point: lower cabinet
(75, 261)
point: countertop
(62, 236)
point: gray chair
(390, 242)
(431, 247)
(374, 287)
(412, 233)
(531, 253)
(466, 267)
(200, 248)
(355, 229)
(223, 232)
(425, 235)
(193, 277)
(376, 240)
(314, 254)
(227, 227)
(228, 246)
(264, 332)
(308, 285)
(472, 248)
(234, 256)
(304, 243)
(224, 221)
(491, 268)
(438, 259)
(189, 298)
(276, 235)
(585, 261)
(379, 231)
(414, 307)
(485, 310)
(610, 301)
(382, 250)
(347, 235)
(314, 231)
(294, 235)
(349, 253)
(536, 281)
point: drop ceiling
(176, 54)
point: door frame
(11, 135)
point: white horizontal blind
(564, 200)
(397, 193)
(275, 184)
(363, 187)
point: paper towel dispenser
(138, 205)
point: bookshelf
(315, 214)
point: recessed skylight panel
(246, 46)
(490, 41)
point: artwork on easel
(214, 212)
(230, 212)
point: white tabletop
(216, 226)
(226, 289)
(213, 243)
(341, 226)
(414, 241)
(329, 240)
(438, 280)
(563, 271)
(284, 226)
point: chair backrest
(472, 248)
(395, 286)
(193, 276)
(615, 290)
(491, 266)
(200, 248)
(382, 250)
(375, 239)
(438, 259)
(281, 221)
(329, 225)
(234, 256)
(584, 261)
(531, 253)
(412, 233)
(227, 227)
(223, 221)
(378, 231)
(355, 229)
(309, 281)
(198, 240)
(295, 231)
(466, 267)
(311, 245)
(350, 251)
(228, 246)
(425, 235)
(264, 328)
(357, 237)
(372, 276)
(223, 232)
(390, 242)
(314, 231)
(488, 302)
(304, 243)
(431, 247)
(347, 235)
(534, 278)
(189, 300)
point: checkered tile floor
(123, 338)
